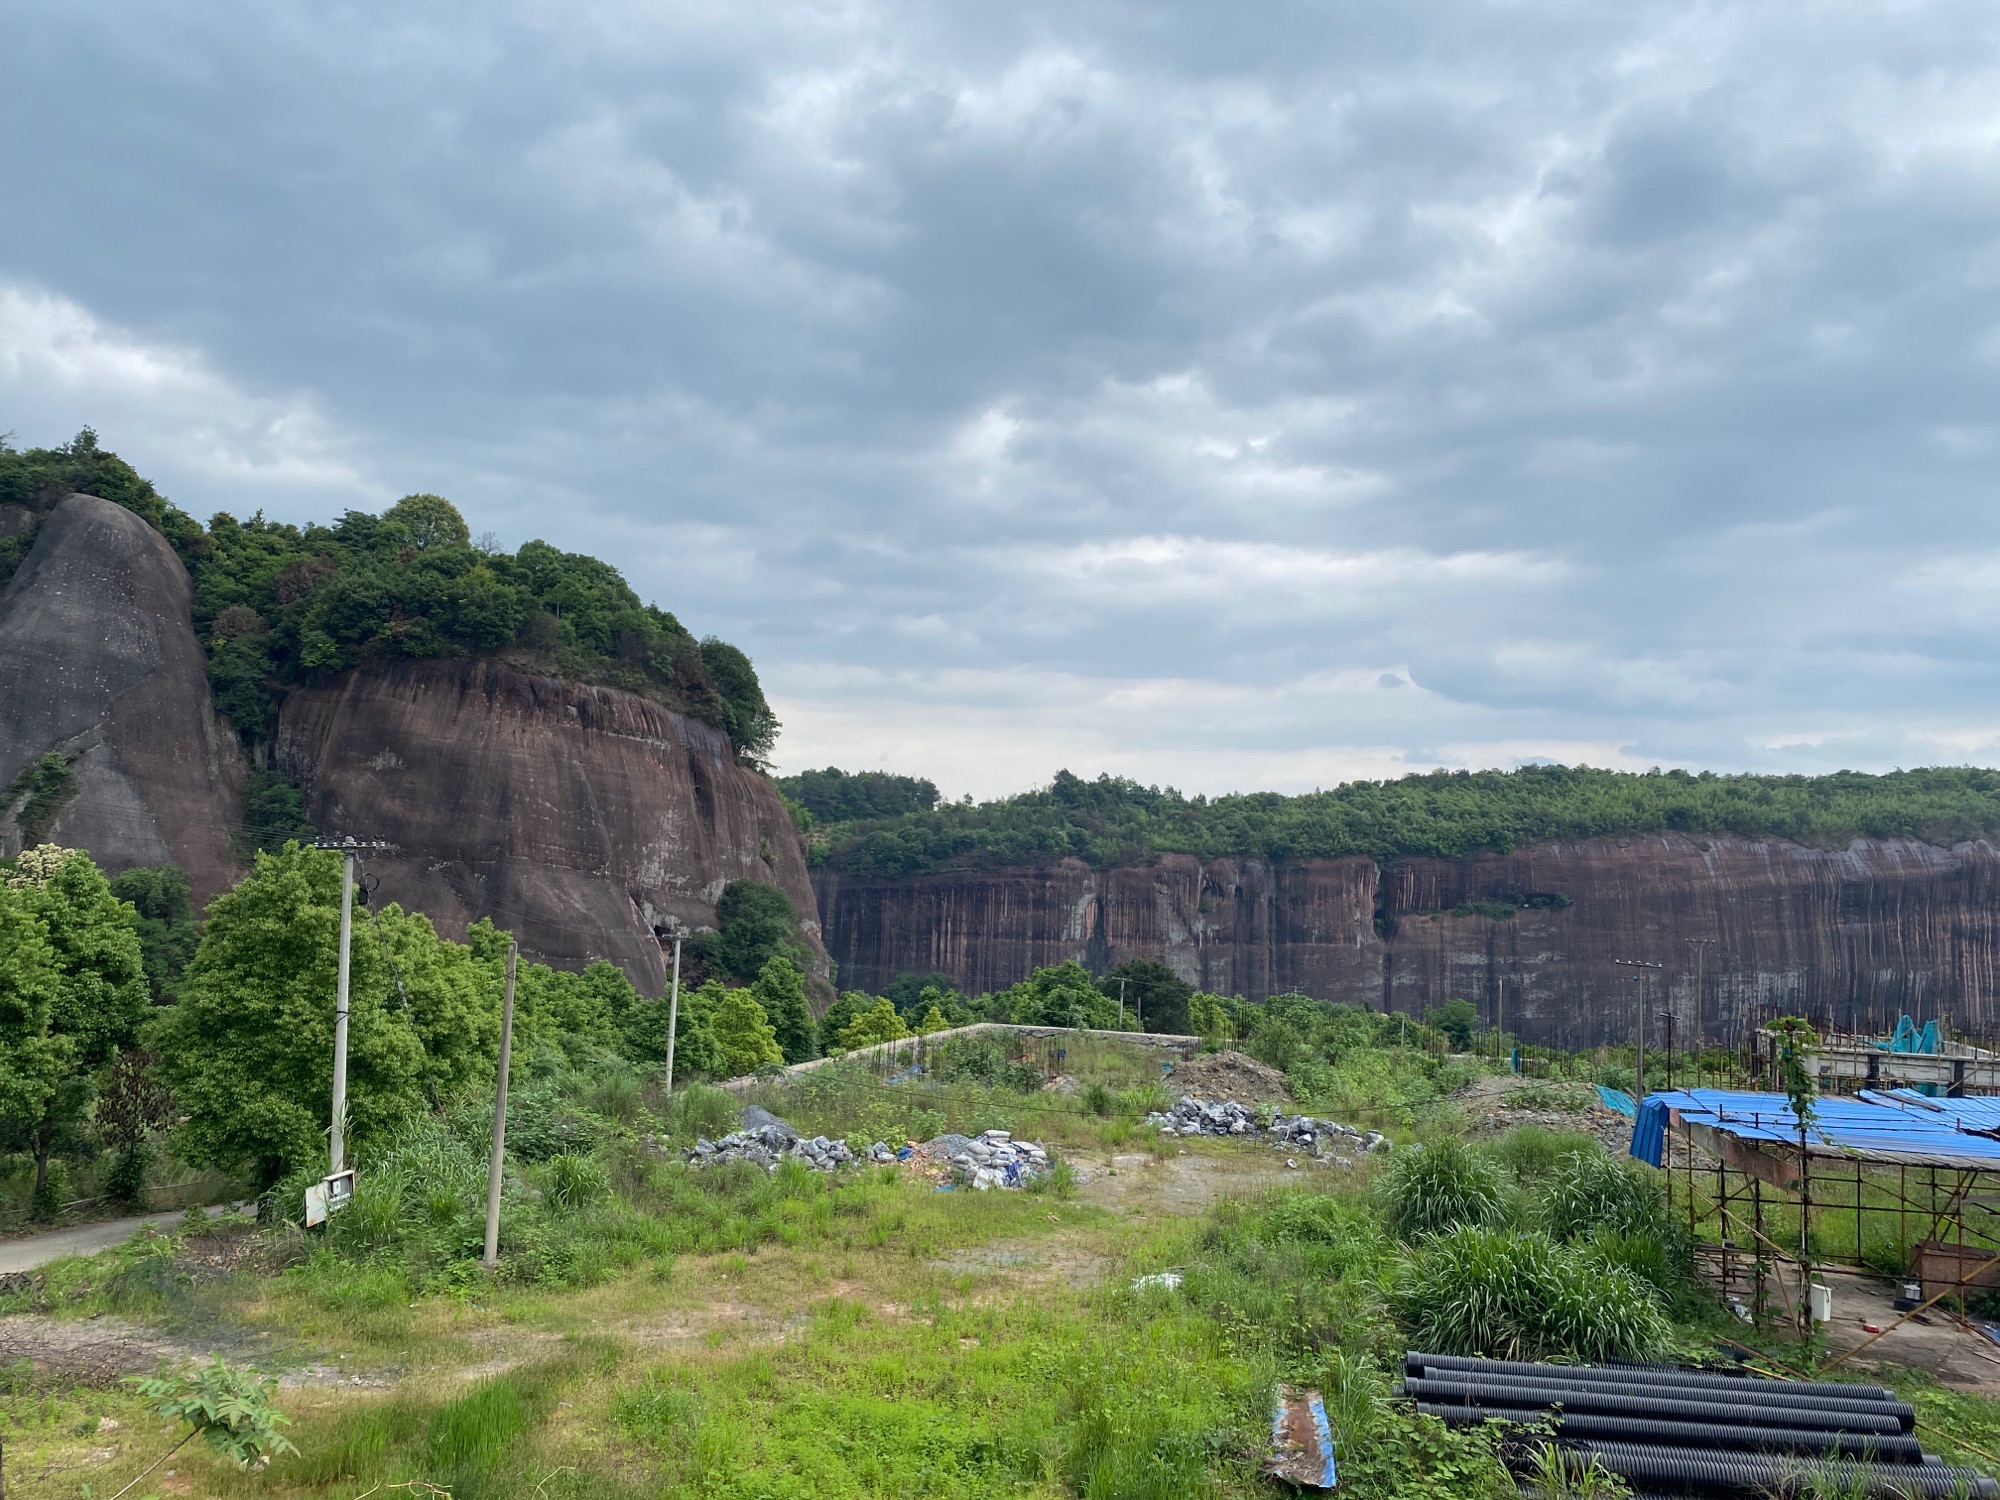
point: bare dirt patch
(1187, 1182)
(1228, 1075)
(88, 1351)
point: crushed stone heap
(992, 1159)
(1192, 1116)
(766, 1146)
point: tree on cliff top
(1441, 813)
(277, 604)
(836, 796)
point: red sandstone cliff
(586, 819)
(1878, 926)
(99, 664)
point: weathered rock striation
(1853, 933)
(99, 664)
(587, 820)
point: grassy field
(660, 1331)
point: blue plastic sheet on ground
(1617, 1099)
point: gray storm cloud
(1218, 397)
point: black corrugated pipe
(1661, 1408)
(1763, 1393)
(1885, 1448)
(1718, 1472)
(1416, 1363)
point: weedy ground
(672, 1333)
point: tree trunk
(45, 1137)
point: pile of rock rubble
(1192, 1116)
(992, 1159)
(767, 1145)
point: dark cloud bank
(1221, 397)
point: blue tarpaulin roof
(1897, 1125)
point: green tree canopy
(1112, 820)
(1062, 995)
(1155, 995)
(742, 1032)
(249, 1049)
(1458, 1020)
(878, 1023)
(751, 726)
(781, 989)
(97, 999)
(836, 796)
(29, 1061)
(757, 922)
(163, 917)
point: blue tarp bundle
(1619, 1100)
(1909, 1039)
(1897, 1124)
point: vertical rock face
(587, 820)
(1769, 926)
(99, 664)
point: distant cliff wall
(1881, 925)
(588, 820)
(99, 664)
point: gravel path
(34, 1250)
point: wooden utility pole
(493, 1169)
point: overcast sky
(1227, 396)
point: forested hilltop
(1112, 820)
(278, 605)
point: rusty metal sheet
(1301, 1442)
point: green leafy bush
(229, 1409)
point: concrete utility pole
(1700, 946)
(336, 1136)
(1121, 1004)
(492, 1258)
(673, 1014)
(1639, 1027)
(337, 1152)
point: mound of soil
(1228, 1075)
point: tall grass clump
(1432, 1189)
(1531, 1152)
(1586, 1190)
(701, 1109)
(1513, 1295)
